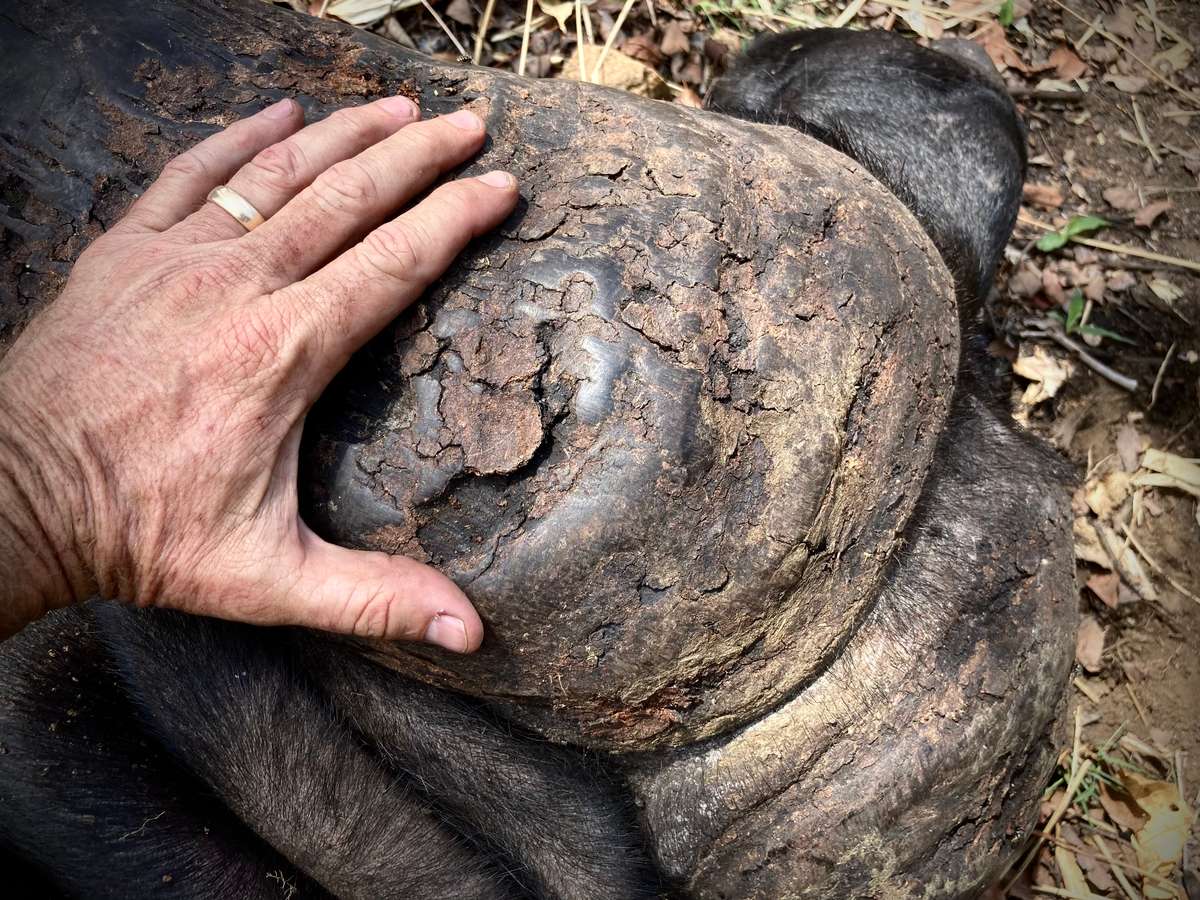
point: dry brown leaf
(1046, 372)
(1121, 198)
(619, 71)
(359, 12)
(1089, 645)
(1165, 290)
(460, 11)
(1026, 281)
(1121, 809)
(1087, 543)
(1047, 196)
(1068, 869)
(1104, 495)
(1160, 840)
(1147, 214)
(1130, 84)
(1066, 64)
(674, 40)
(1107, 587)
(1120, 280)
(1130, 445)
(1174, 59)
(1123, 22)
(559, 12)
(643, 48)
(1003, 55)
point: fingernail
(497, 179)
(447, 631)
(400, 107)
(280, 110)
(465, 119)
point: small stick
(579, 45)
(1077, 746)
(1159, 377)
(1115, 867)
(1142, 132)
(1121, 381)
(462, 51)
(525, 38)
(612, 37)
(1060, 892)
(848, 13)
(1087, 35)
(1119, 249)
(483, 27)
(1088, 691)
(587, 25)
(1137, 704)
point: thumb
(373, 594)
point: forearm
(37, 570)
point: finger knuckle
(185, 166)
(346, 185)
(354, 121)
(394, 250)
(280, 167)
(373, 618)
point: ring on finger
(237, 206)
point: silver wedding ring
(237, 206)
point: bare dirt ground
(1103, 333)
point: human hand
(150, 419)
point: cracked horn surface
(665, 429)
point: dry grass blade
(462, 51)
(848, 13)
(525, 37)
(1055, 817)
(482, 32)
(612, 37)
(1117, 869)
(1119, 249)
(1059, 892)
(579, 42)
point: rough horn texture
(666, 428)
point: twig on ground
(612, 37)
(579, 42)
(462, 51)
(1116, 868)
(1051, 329)
(1143, 133)
(482, 32)
(1159, 377)
(848, 13)
(525, 37)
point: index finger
(347, 302)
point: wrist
(40, 567)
